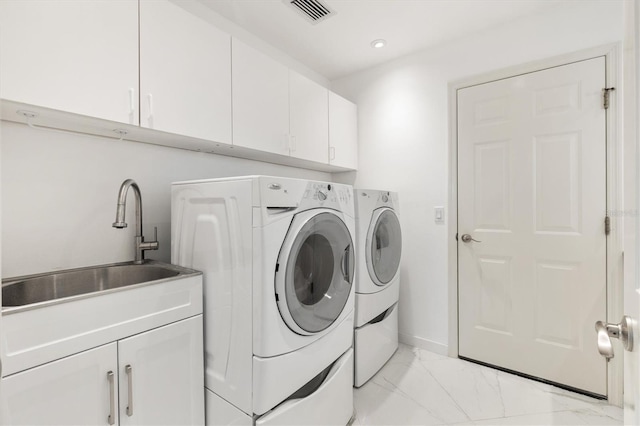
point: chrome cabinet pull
(129, 370)
(112, 399)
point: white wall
(59, 193)
(403, 137)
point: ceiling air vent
(313, 10)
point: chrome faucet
(140, 244)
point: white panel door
(309, 119)
(162, 375)
(76, 56)
(532, 192)
(185, 73)
(343, 132)
(260, 100)
(76, 390)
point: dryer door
(315, 271)
(384, 246)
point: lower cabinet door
(161, 375)
(81, 389)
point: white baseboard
(428, 345)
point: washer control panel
(328, 195)
(298, 194)
(320, 192)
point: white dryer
(278, 261)
(378, 248)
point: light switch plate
(439, 214)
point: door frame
(615, 289)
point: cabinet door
(185, 73)
(343, 132)
(162, 375)
(74, 390)
(76, 56)
(260, 100)
(309, 119)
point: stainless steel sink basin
(35, 289)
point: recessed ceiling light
(378, 43)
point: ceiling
(341, 44)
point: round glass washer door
(315, 271)
(383, 246)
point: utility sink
(50, 316)
(42, 288)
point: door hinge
(607, 225)
(605, 96)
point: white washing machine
(278, 261)
(378, 252)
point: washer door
(315, 271)
(384, 246)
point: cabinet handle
(132, 104)
(150, 116)
(112, 399)
(332, 153)
(129, 370)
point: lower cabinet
(73, 390)
(153, 378)
(161, 376)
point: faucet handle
(151, 245)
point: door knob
(466, 238)
(606, 331)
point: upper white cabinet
(343, 132)
(75, 56)
(185, 73)
(309, 119)
(154, 64)
(260, 100)
(276, 109)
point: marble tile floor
(417, 387)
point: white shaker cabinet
(152, 378)
(343, 132)
(75, 56)
(275, 109)
(309, 119)
(75, 390)
(260, 100)
(185, 73)
(162, 376)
